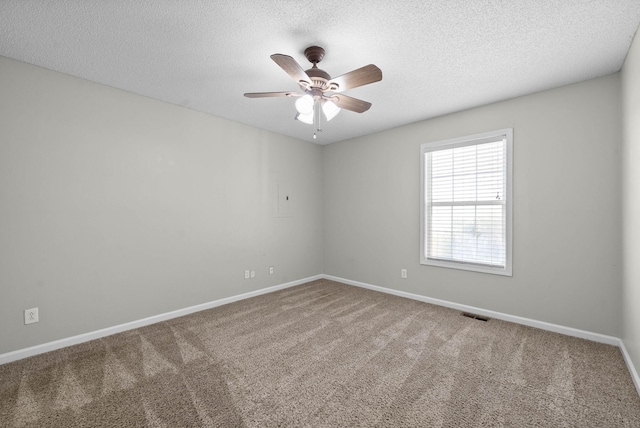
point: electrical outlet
(253, 274)
(403, 273)
(246, 274)
(31, 316)
(270, 270)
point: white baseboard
(630, 366)
(81, 338)
(569, 331)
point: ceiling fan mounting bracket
(314, 54)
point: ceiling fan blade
(270, 94)
(350, 103)
(360, 77)
(292, 68)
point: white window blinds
(467, 202)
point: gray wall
(115, 207)
(566, 257)
(631, 202)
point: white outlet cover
(31, 316)
(253, 274)
(246, 274)
(270, 270)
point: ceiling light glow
(305, 118)
(304, 105)
(330, 109)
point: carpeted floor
(324, 354)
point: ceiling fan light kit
(305, 104)
(305, 118)
(330, 109)
(317, 86)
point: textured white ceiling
(436, 57)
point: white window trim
(461, 142)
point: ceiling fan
(320, 91)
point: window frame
(452, 143)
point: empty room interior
(181, 247)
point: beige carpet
(324, 354)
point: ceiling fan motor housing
(319, 79)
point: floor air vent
(474, 316)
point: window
(466, 203)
